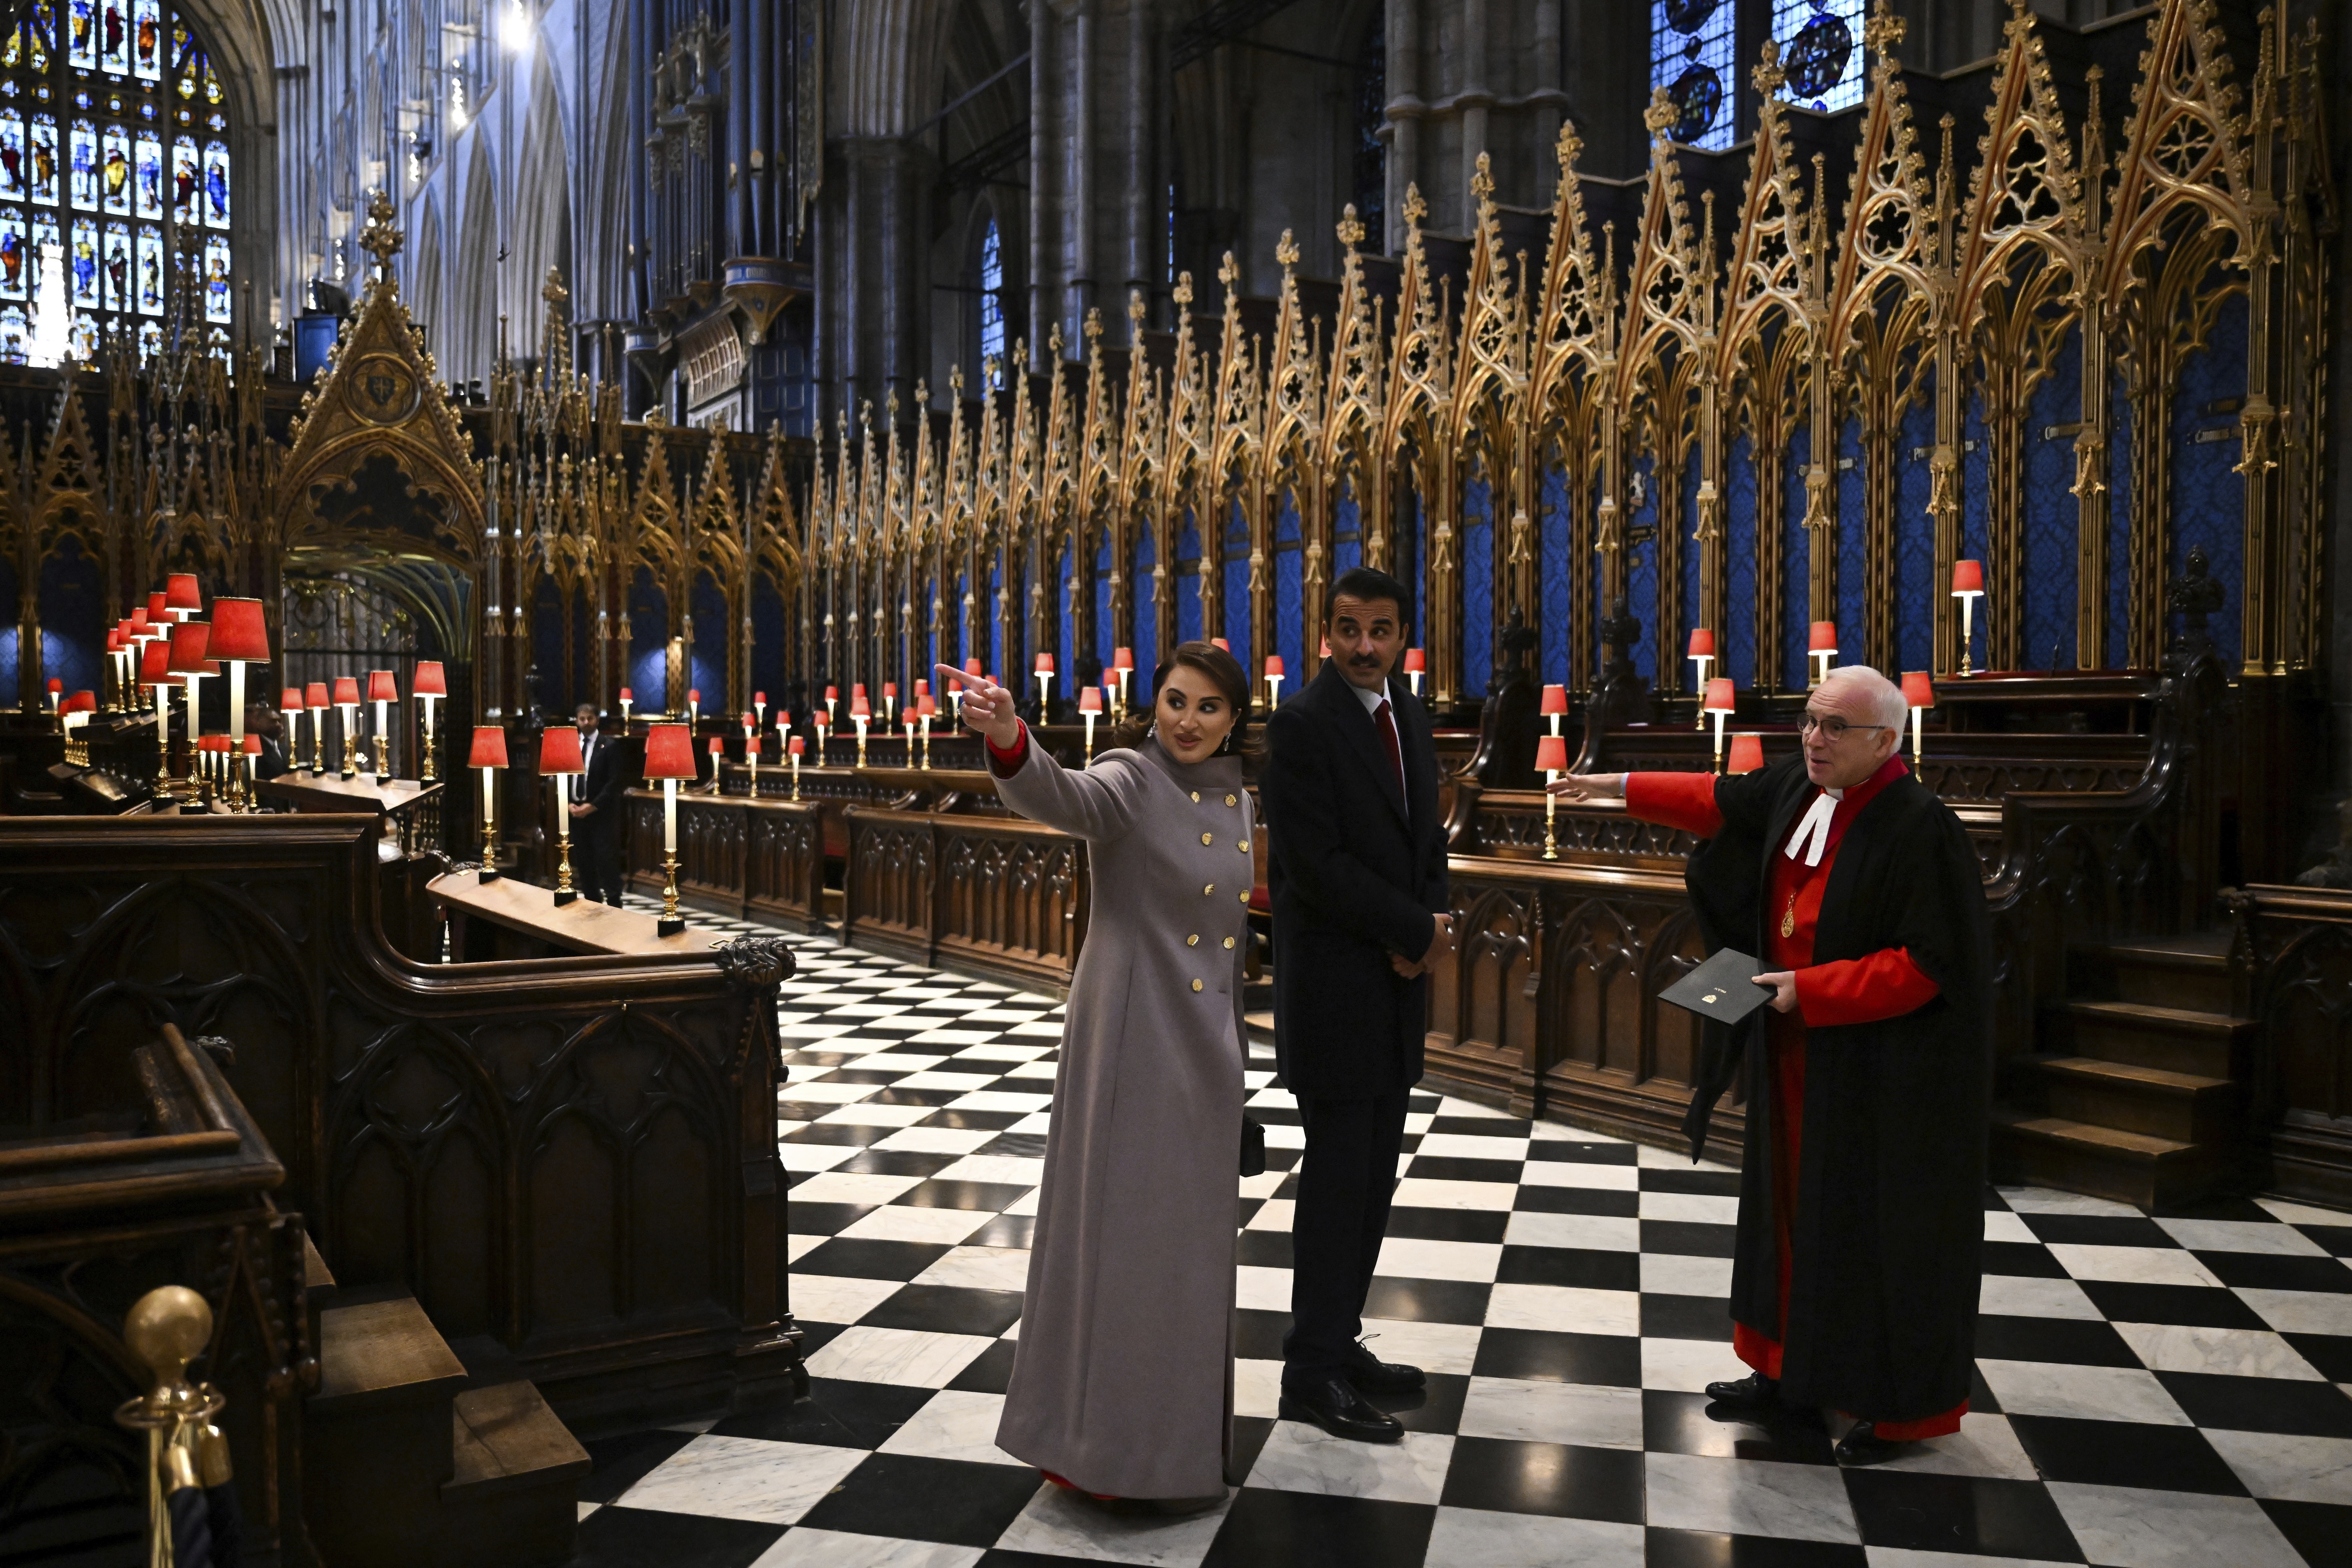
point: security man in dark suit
(1357, 870)
(596, 810)
(263, 720)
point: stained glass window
(1690, 57)
(114, 149)
(1821, 51)
(991, 301)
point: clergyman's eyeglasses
(1834, 727)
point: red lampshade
(289, 700)
(858, 707)
(1918, 689)
(1090, 699)
(1824, 639)
(212, 742)
(347, 692)
(717, 747)
(56, 685)
(489, 747)
(181, 593)
(1044, 663)
(238, 632)
(314, 695)
(1555, 700)
(189, 639)
(1273, 664)
(832, 694)
(77, 702)
(1551, 755)
(759, 699)
(1719, 697)
(857, 689)
(695, 696)
(114, 640)
(1968, 576)
(253, 745)
(155, 664)
(1123, 658)
(750, 720)
(159, 610)
(559, 749)
(797, 745)
(971, 668)
(890, 689)
(751, 745)
(382, 688)
(820, 718)
(1747, 753)
(139, 627)
(925, 705)
(669, 752)
(783, 717)
(430, 681)
(627, 695)
(1702, 644)
(1416, 662)
(1221, 643)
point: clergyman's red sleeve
(1885, 985)
(1678, 800)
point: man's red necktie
(1389, 737)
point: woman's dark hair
(1220, 666)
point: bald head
(1858, 716)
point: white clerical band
(1812, 834)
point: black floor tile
(1965, 1514)
(1258, 1336)
(1677, 1423)
(1434, 1407)
(823, 1219)
(1250, 1433)
(1449, 1168)
(2124, 1454)
(2321, 1531)
(1506, 1476)
(2075, 1340)
(838, 1412)
(929, 1499)
(1448, 1224)
(644, 1538)
(2261, 1403)
(993, 1196)
(948, 1309)
(621, 1462)
(1584, 1154)
(816, 1131)
(1579, 1200)
(2216, 1208)
(2272, 1271)
(1020, 1146)
(814, 1337)
(898, 1162)
(1686, 1318)
(2027, 1259)
(1712, 1183)
(859, 1258)
(934, 1097)
(1611, 1359)
(2329, 1354)
(1427, 1300)
(1687, 1238)
(2099, 1230)
(1262, 1248)
(1704, 1549)
(2193, 1306)
(864, 1075)
(989, 1371)
(1005, 1230)
(2337, 1239)
(1478, 1126)
(1981, 1401)
(1586, 1268)
(1267, 1529)
(975, 1121)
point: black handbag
(1253, 1146)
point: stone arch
(542, 214)
(470, 344)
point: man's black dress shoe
(1862, 1445)
(1372, 1375)
(1336, 1407)
(1754, 1392)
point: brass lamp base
(671, 922)
(489, 872)
(350, 756)
(564, 891)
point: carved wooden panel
(1012, 897)
(888, 898)
(2292, 959)
(784, 865)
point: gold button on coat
(1229, 942)
(1244, 845)
(1207, 890)
(1229, 800)
(1196, 986)
(1196, 797)
(1208, 838)
(1195, 941)
(1244, 895)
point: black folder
(1722, 988)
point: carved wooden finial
(1092, 325)
(1136, 308)
(1352, 228)
(553, 292)
(1053, 342)
(1182, 292)
(955, 382)
(1884, 29)
(1481, 181)
(1661, 114)
(1415, 209)
(1768, 76)
(1228, 272)
(1286, 252)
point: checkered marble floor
(2152, 1391)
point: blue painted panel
(771, 631)
(1236, 592)
(1641, 575)
(1290, 595)
(1975, 486)
(2119, 560)
(648, 633)
(1286, 520)
(73, 610)
(1914, 537)
(1146, 610)
(1106, 638)
(2052, 558)
(1854, 545)
(1477, 587)
(1735, 640)
(1552, 548)
(995, 622)
(1346, 525)
(707, 663)
(8, 634)
(2208, 497)
(1796, 564)
(1065, 647)
(1188, 582)
(1690, 583)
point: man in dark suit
(596, 811)
(264, 723)
(1356, 869)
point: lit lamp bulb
(239, 637)
(1820, 647)
(860, 713)
(751, 759)
(627, 697)
(430, 686)
(1091, 707)
(693, 709)
(183, 595)
(760, 707)
(718, 756)
(1968, 587)
(490, 755)
(889, 703)
(1417, 664)
(1918, 695)
(1122, 665)
(1747, 752)
(188, 662)
(1702, 654)
(1551, 761)
(57, 694)
(155, 674)
(793, 747)
(927, 708)
(907, 720)
(1044, 677)
(1720, 701)
(833, 706)
(751, 733)
(1273, 680)
(314, 698)
(347, 697)
(559, 759)
(783, 727)
(383, 691)
(289, 708)
(822, 724)
(669, 757)
(1554, 706)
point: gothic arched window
(1821, 51)
(113, 150)
(1690, 55)
(991, 302)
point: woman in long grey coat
(1122, 1377)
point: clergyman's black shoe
(1372, 1375)
(1334, 1404)
(1862, 1445)
(1754, 1392)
